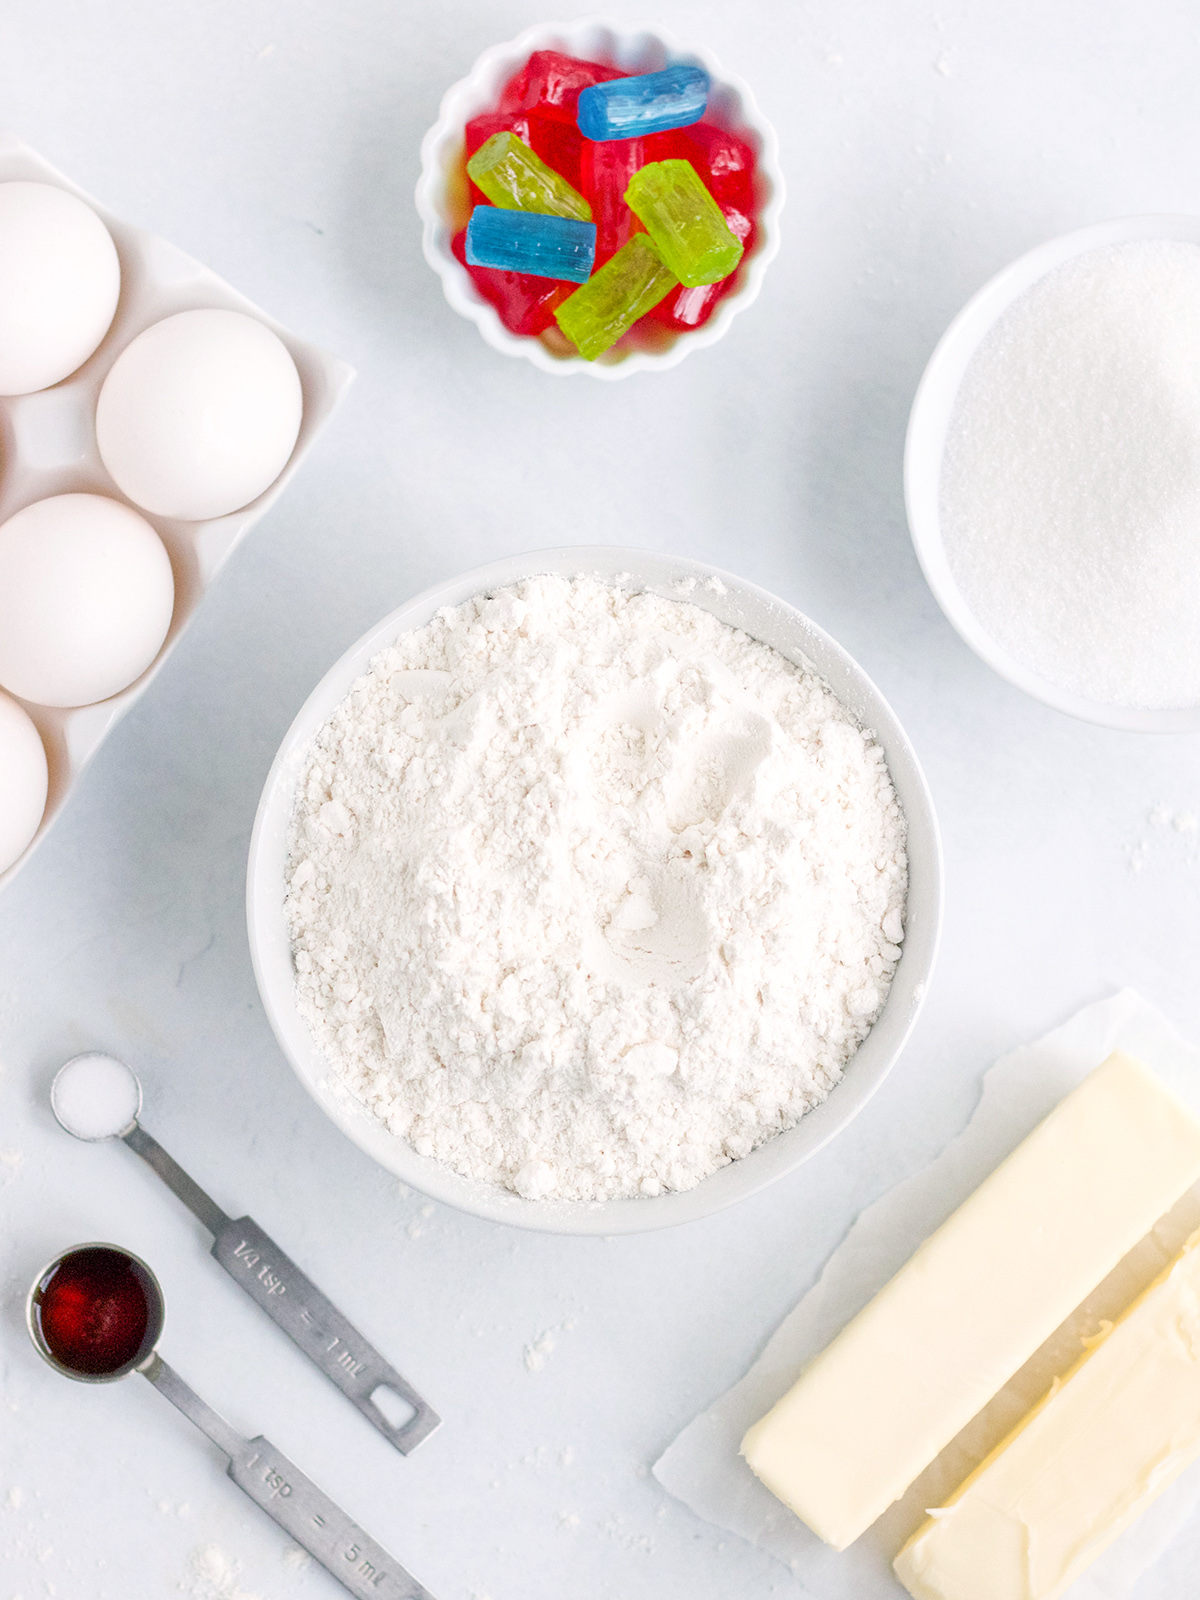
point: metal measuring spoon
(96, 1312)
(95, 1096)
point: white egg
(24, 779)
(86, 596)
(199, 414)
(60, 280)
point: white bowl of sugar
(272, 875)
(1052, 473)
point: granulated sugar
(590, 893)
(1070, 491)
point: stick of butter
(1082, 1465)
(976, 1300)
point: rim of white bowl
(924, 446)
(760, 614)
(630, 45)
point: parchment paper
(702, 1467)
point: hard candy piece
(514, 178)
(480, 129)
(606, 169)
(725, 162)
(688, 309)
(684, 221)
(625, 108)
(550, 83)
(524, 304)
(558, 143)
(613, 299)
(531, 242)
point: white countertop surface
(925, 145)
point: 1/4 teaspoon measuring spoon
(96, 1096)
(96, 1313)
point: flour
(212, 1575)
(589, 893)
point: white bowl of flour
(1052, 473)
(593, 891)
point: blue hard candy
(532, 242)
(654, 102)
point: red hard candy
(526, 304)
(480, 129)
(605, 172)
(550, 82)
(725, 162)
(558, 143)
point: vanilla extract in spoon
(96, 1312)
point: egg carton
(48, 447)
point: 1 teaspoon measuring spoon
(96, 1313)
(94, 1097)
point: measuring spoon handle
(295, 1303)
(292, 1500)
(314, 1323)
(201, 1205)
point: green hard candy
(684, 221)
(516, 179)
(627, 286)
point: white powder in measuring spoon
(1070, 490)
(95, 1096)
(590, 893)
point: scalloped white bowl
(929, 422)
(635, 49)
(742, 605)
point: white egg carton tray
(48, 447)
